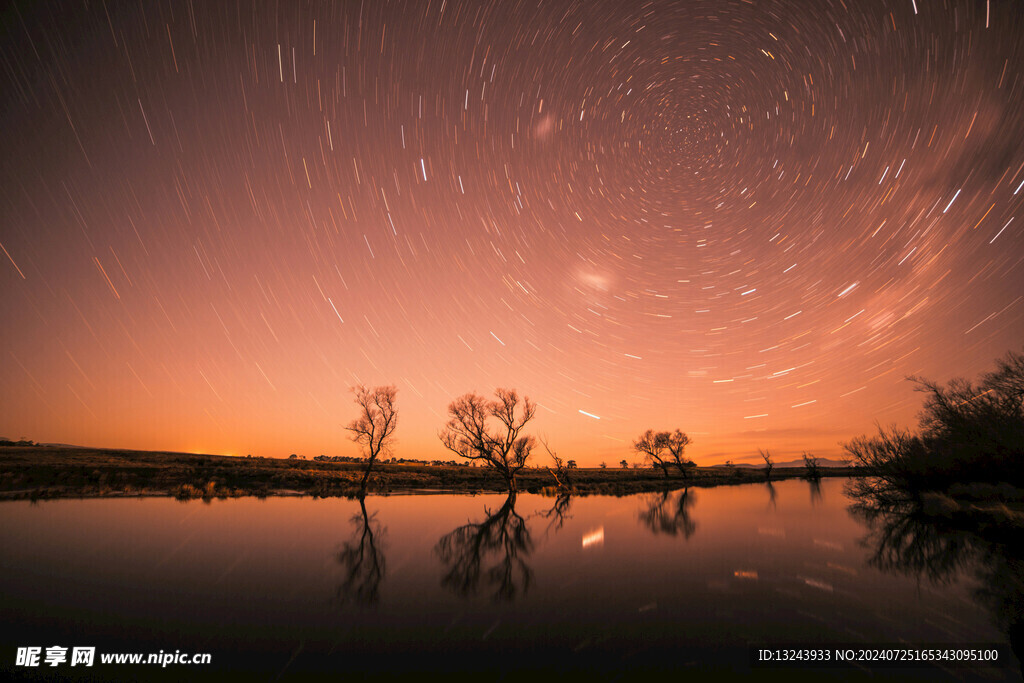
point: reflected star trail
(747, 220)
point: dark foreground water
(644, 584)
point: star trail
(749, 220)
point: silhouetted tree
(676, 442)
(504, 450)
(375, 425)
(669, 514)
(898, 460)
(664, 449)
(623, 464)
(4, 441)
(968, 432)
(768, 464)
(813, 470)
(652, 446)
(561, 472)
(503, 535)
(363, 559)
(604, 465)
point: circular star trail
(748, 220)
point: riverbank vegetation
(966, 457)
(969, 448)
(33, 472)
(970, 440)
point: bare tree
(768, 464)
(504, 450)
(968, 432)
(375, 425)
(894, 458)
(561, 472)
(653, 446)
(813, 468)
(676, 443)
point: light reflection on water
(652, 581)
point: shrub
(968, 433)
(187, 492)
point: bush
(187, 492)
(968, 433)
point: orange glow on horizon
(748, 225)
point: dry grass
(60, 472)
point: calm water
(649, 582)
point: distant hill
(822, 462)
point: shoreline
(53, 472)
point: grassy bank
(35, 472)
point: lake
(645, 583)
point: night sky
(749, 220)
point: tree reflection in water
(904, 539)
(670, 513)
(558, 513)
(815, 486)
(771, 494)
(363, 560)
(502, 538)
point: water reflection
(670, 513)
(362, 558)
(559, 513)
(906, 539)
(502, 541)
(815, 487)
(771, 495)
(595, 590)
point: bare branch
(767, 463)
(466, 434)
(652, 445)
(561, 472)
(374, 427)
